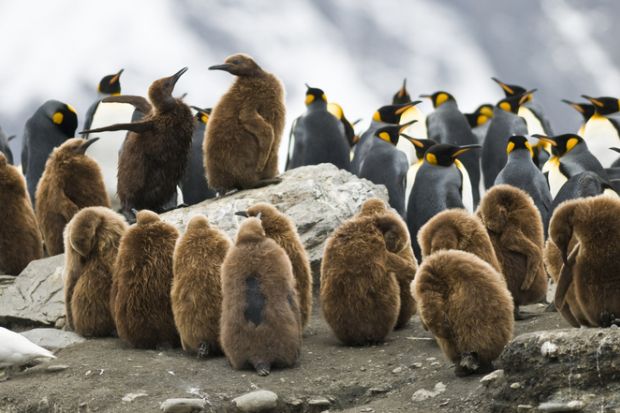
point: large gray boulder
(561, 370)
(318, 199)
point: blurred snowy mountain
(357, 51)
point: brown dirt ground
(369, 379)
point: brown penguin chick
(20, 239)
(141, 282)
(463, 301)
(404, 265)
(360, 299)
(242, 140)
(516, 231)
(591, 266)
(282, 230)
(552, 258)
(261, 322)
(155, 153)
(71, 181)
(92, 238)
(197, 288)
(457, 229)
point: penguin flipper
(137, 127)
(514, 240)
(138, 102)
(257, 126)
(565, 280)
(90, 114)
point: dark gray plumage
(194, 184)
(4, 146)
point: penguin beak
(242, 214)
(406, 106)
(615, 149)
(10, 138)
(403, 90)
(594, 101)
(526, 96)
(225, 67)
(504, 86)
(86, 144)
(545, 139)
(405, 125)
(574, 105)
(175, 77)
(117, 76)
(413, 140)
(464, 148)
(355, 122)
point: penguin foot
(266, 182)
(203, 350)
(519, 316)
(607, 319)
(551, 308)
(263, 369)
(469, 364)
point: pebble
(572, 406)
(183, 405)
(549, 350)
(515, 385)
(416, 365)
(397, 370)
(56, 368)
(129, 397)
(524, 408)
(319, 402)
(423, 394)
(256, 401)
(492, 377)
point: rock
(557, 367)
(256, 401)
(6, 281)
(423, 394)
(36, 296)
(52, 339)
(129, 397)
(493, 377)
(183, 405)
(56, 368)
(515, 385)
(319, 402)
(318, 199)
(397, 370)
(572, 406)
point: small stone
(295, 402)
(416, 365)
(515, 385)
(60, 323)
(129, 397)
(423, 394)
(397, 370)
(183, 405)
(435, 364)
(319, 402)
(572, 406)
(431, 358)
(524, 408)
(367, 409)
(362, 368)
(379, 390)
(492, 377)
(549, 350)
(56, 368)
(256, 401)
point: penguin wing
(138, 127)
(291, 145)
(256, 125)
(566, 279)
(90, 114)
(138, 102)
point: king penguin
(582, 185)
(448, 125)
(417, 129)
(52, 124)
(194, 184)
(420, 147)
(384, 116)
(5, 147)
(402, 96)
(586, 110)
(386, 165)
(348, 127)
(521, 172)
(100, 114)
(317, 136)
(601, 130)
(571, 156)
(479, 121)
(504, 124)
(441, 183)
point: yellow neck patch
(385, 136)
(324, 97)
(572, 142)
(431, 158)
(71, 108)
(57, 118)
(376, 116)
(510, 147)
(204, 118)
(115, 94)
(487, 111)
(481, 119)
(441, 99)
(554, 160)
(505, 106)
(309, 99)
(529, 147)
(335, 110)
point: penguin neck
(520, 155)
(165, 104)
(317, 105)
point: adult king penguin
(601, 130)
(317, 136)
(441, 183)
(479, 121)
(585, 109)
(194, 182)
(101, 114)
(420, 147)
(448, 125)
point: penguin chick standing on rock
(457, 229)
(464, 303)
(515, 228)
(71, 181)
(156, 149)
(197, 287)
(52, 124)
(245, 129)
(194, 182)
(261, 322)
(360, 299)
(521, 172)
(141, 282)
(20, 239)
(401, 261)
(283, 231)
(92, 238)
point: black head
(111, 84)
(402, 96)
(510, 90)
(62, 115)
(561, 144)
(240, 65)
(517, 142)
(439, 98)
(420, 145)
(604, 105)
(391, 113)
(513, 103)
(160, 91)
(586, 109)
(391, 133)
(480, 116)
(444, 154)
(202, 115)
(314, 94)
